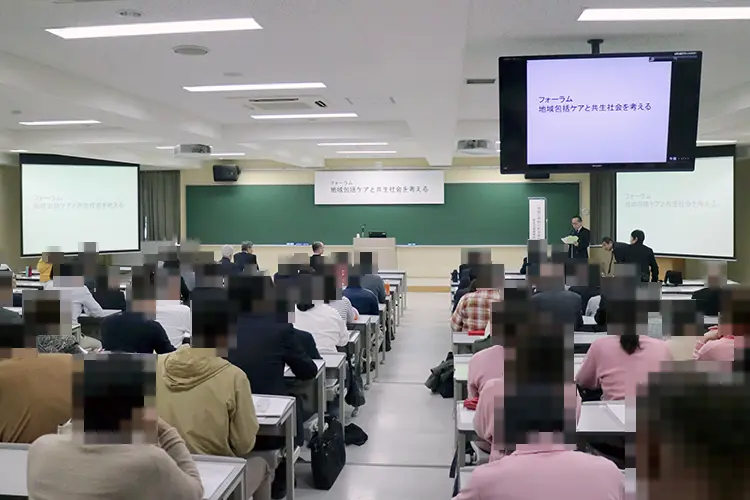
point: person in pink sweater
(484, 366)
(531, 404)
(618, 363)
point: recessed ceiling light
(228, 154)
(716, 142)
(169, 28)
(352, 144)
(164, 147)
(497, 142)
(363, 152)
(18, 151)
(255, 86)
(667, 14)
(59, 122)
(307, 116)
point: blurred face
(577, 224)
(608, 245)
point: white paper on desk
(618, 410)
(269, 407)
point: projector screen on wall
(67, 201)
(687, 214)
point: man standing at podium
(580, 249)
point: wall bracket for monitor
(596, 44)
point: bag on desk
(327, 454)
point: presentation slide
(596, 111)
(66, 205)
(682, 213)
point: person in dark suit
(317, 261)
(246, 259)
(209, 285)
(228, 268)
(174, 264)
(551, 297)
(134, 331)
(643, 257)
(708, 299)
(579, 249)
(107, 290)
(362, 299)
(618, 254)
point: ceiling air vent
(480, 81)
(285, 103)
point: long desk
(277, 416)
(396, 293)
(221, 476)
(369, 325)
(320, 390)
(398, 274)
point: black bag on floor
(327, 454)
(355, 391)
(441, 378)
(355, 435)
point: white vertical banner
(537, 218)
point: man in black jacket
(618, 254)
(580, 249)
(642, 257)
(317, 261)
(246, 259)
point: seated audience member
(692, 435)
(617, 363)
(185, 290)
(488, 363)
(265, 345)
(344, 307)
(35, 389)
(228, 268)
(7, 283)
(44, 266)
(529, 415)
(171, 314)
(197, 377)
(116, 447)
(209, 284)
(617, 253)
(586, 283)
(245, 259)
(721, 344)
(321, 320)
(135, 330)
(107, 290)
(317, 261)
(470, 288)
(474, 310)
(601, 313)
(73, 291)
(524, 266)
(369, 279)
(362, 299)
(707, 300)
(307, 341)
(551, 296)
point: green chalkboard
(473, 214)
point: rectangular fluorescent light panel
(307, 116)
(256, 86)
(667, 14)
(164, 147)
(228, 154)
(715, 142)
(169, 28)
(362, 152)
(19, 151)
(350, 144)
(59, 122)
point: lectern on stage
(384, 248)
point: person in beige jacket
(118, 449)
(208, 399)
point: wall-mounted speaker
(226, 173)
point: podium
(384, 248)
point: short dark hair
(638, 235)
(246, 245)
(317, 246)
(606, 239)
(578, 218)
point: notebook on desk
(269, 407)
